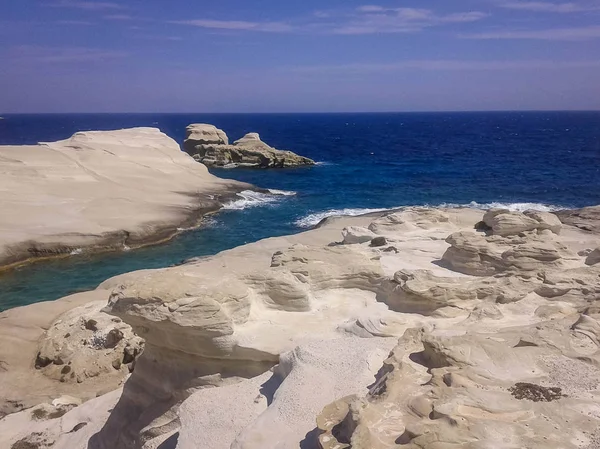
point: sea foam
(281, 192)
(314, 219)
(518, 207)
(249, 198)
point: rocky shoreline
(88, 181)
(417, 327)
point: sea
(366, 162)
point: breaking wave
(249, 198)
(314, 219)
(281, 192)
(518, 207)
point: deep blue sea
(367, 161)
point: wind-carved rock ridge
(264, 337)
(514, 242)
(449, 391)
(200, 331)
(210, 145)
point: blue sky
(298, 56)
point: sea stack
(210, 145)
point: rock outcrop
(210, 145)
(86, 343)
(203, 134)
(516, 244)
(526, 387)
(504, 222)
(63, 423)
(586, 219)
(593, 257)
(65, 347)
(201, 330)
(101, 190)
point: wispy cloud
(552, 34)
(239, 25)
(445, 65)
(75, 22)
(122, 17)
(370, 19)
(38, 54)
(154, 37)
(87, 5)
(321, 14)
(365, 19)
(568, 7)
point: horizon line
(4, 114)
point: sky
(298, 56)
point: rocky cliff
(210, 145)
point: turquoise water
(368, 161)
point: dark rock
(593, 257)
(42, 361)
(91, 325)
(113, 338)
(129, 354)
(77, 427)
(535, 393)
(378, 241)
(482, 226)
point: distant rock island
(210, 145)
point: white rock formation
(58, 426)
(204, 134)
(504, 222)
(355, 234)
(86, 343)
(586, 219)
(71, 358)
(210, 145)
(285, 343)
(525, 387)
(101, 190)
(480, 255)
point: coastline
(196, 218)
(122, 239)
(305, 339)
(111, 190)
(310, 309)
